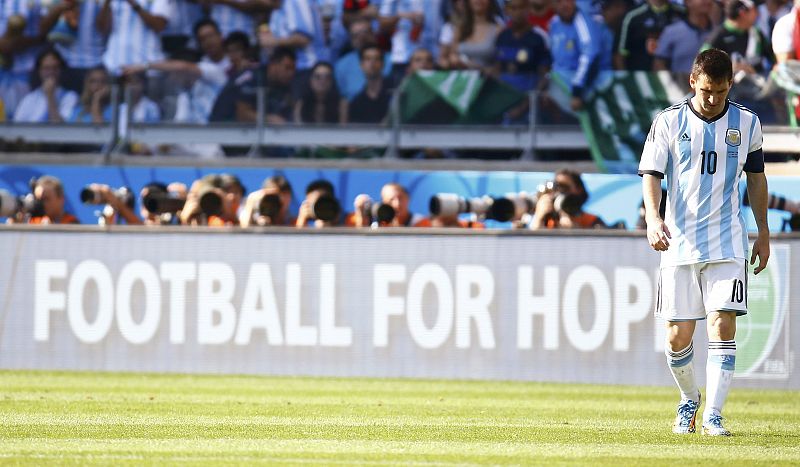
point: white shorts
(689, 292)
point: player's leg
(725, 299)
(679, 302)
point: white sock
(719, 372)
(682, 368)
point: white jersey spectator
(230, 19)
(131, 40)
(33, 107)
(300, 17)
(87, 50)
(783, 36)
(32, 11)
(409, 16)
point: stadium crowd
(337, 61)
(221, 200)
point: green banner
(442, 97)
(619, 112)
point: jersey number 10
(708, 163)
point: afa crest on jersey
(733, 137)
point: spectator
(421, 60)
(371, 105)
(404, 20)
(279, 106)
(575, 41)
(476, 36)
(640, 32)
(541, 13)
(281, 191)
(769, 12)
(296, 25)
(739, 37)
(786, 36)
(142, 110)
(72, 28)
(93, 106)
(357, 10)
(447, 36)
(562, 206)
(681, 41)
(349, 76)
(237, 48)
(321, 102)
(132, 29)
(612, 12)
(20, 38)
(523, 58)
(241, 71)
(202, 81)
(49, 191)
(320, 208)
(49, 102)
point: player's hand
(658, 235)
(760, 250)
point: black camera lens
(384, 213)
(502, 210)
(211, 203)
(270, 206)
(326, 208)
(89, 196)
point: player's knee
(723, 325)
(677, 340)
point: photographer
(560, 205)
(394, 196)
(269, 205)
(117, 204)
(161, 204)
(320, 208)
(49, 191)
(214, 201)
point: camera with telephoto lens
(163, 202)
(269, 206)
(568, 203)
(326, 208)
(377, 213)
(92, 196)
(486, 207)
(11, 205)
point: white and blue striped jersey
(230, 19)
(87, 50)
(403, 44)
(131, 42)
(33, 11)
(302, 17)
(184, 14)
(702, 161)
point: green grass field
(111, 419)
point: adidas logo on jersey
(684, 137)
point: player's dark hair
(713, 63)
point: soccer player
(701, 146)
